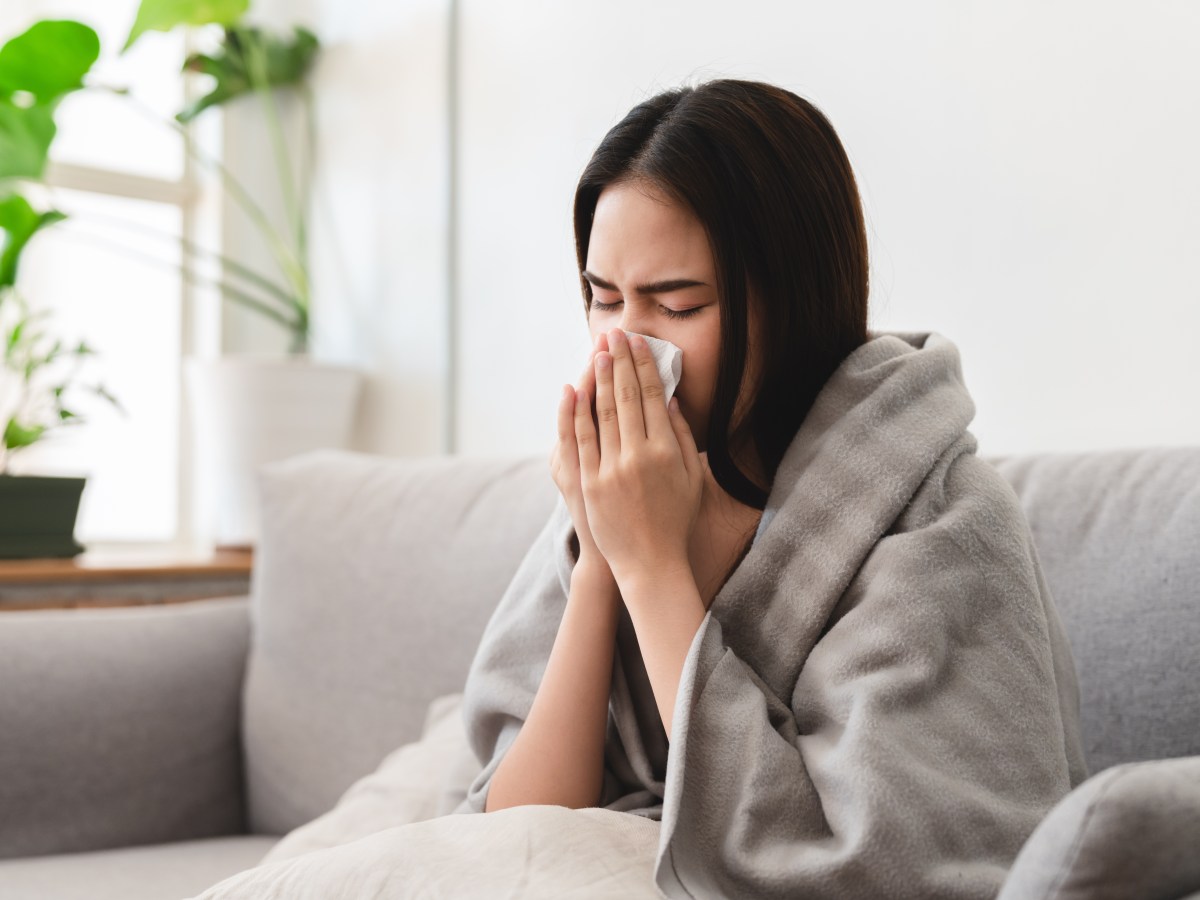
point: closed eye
(670, 313)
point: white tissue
(669, 359)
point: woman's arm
(557, 758)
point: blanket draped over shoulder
(880, 700)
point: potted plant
(37, 512)
(251, 409)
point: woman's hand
(564, 462)
(642, 479)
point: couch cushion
(374, 578)
(1131, 831)
(1118, 535)
(121, 726)
(150, 872)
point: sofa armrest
(121, 726)
(1130, 830)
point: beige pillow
(392, 835)
(530, 852)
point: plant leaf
(51, 354)
(17, 435)
(163, 15)
(48, 60)
(100, 391)
(18, 223)
(231, 81)
(287, 61)
(14, 337)
(25, 136)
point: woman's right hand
(564, 462)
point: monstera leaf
(25, 136)
(37, 68)
(18, 223)
(163, 15)
(48, 60)
(234, 65)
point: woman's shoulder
(962, 493)
(964, 533)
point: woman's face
(649, 258)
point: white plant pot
(251, 409)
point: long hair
(766, 175)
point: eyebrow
(655, 287)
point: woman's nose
(630, 324)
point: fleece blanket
(880, 701)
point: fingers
(653, 404)
(566, 414)
(606, 407)
(584, 425)
(588, 378)
(585, 436)
(588, 383)
(627, 393)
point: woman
(793, 616)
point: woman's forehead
(637, 239)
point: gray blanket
(880, 702)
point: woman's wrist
(593, 567)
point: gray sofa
(151, 752)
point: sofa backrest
(373, 580)
(1118, 535)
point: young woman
(792, 615)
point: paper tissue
(669, 360)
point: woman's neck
(718, 505)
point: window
(111, 275)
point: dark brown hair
(766, 175)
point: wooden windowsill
(102, 567)
(94, 579)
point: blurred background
(1027, 169)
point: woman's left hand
(642, 479)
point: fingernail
(635, 340)
(602, 360)
(616, 337)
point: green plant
(246, 61)
(34, 407)
(37, 69)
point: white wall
(1027, 170)
(379, 220)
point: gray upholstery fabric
(153, 872)
(120, 726)
(1118, 534)
(1131, 831)
(373, 582)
